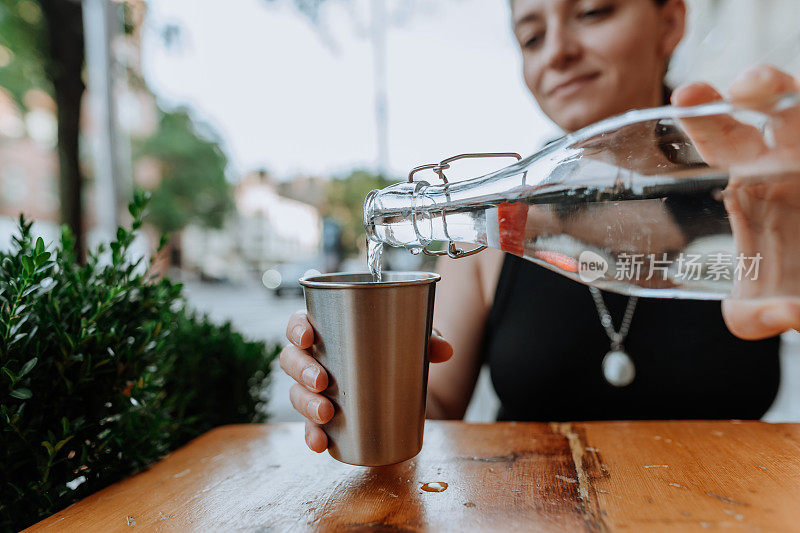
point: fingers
(694, 94)
(299, 330)
(720, 139)
(439, 350)
(316, 439)
(763, 82)
(759, 82)
(315, 407)
(303, 368)
(754, 84)
(761, 318)
(311, 378)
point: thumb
(439, 350)
(761, 318)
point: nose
(561, 47)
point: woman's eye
(533, 42)
(596, 13)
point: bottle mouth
(369, 209)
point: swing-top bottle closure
(452, 250)
(644, 154)
(753, 114)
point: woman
(540, 333)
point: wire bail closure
(439, 168)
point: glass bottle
(679, 202)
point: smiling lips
(572, 85)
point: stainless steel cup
(372, 338)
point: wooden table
(640, 476)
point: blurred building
(271, 227)
(28, 163)
(307, 189)
(29, 174)
(137, 112)
(266, 229)
(135, 116)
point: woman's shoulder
(479, 272)
(490, 264)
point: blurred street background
(259, 126)
(260, 315)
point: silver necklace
(618, 367)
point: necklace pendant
(618, 368)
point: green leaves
(28, 366)
(100, 375)
(53, 450)
(21, 393)
(26, 39)
(27, 264)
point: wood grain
(600, 476)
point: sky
(294, 99)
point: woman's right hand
(312, 378)
(764, 213)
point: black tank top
(544, 345)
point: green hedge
(103, 371)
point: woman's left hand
(762, 197)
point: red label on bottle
(511, 220)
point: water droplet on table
(434, 486)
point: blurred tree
(43, 40)
(22, 36)
(193, 188)
(345, 202)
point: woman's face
(585, 60)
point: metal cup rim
(330, 281)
